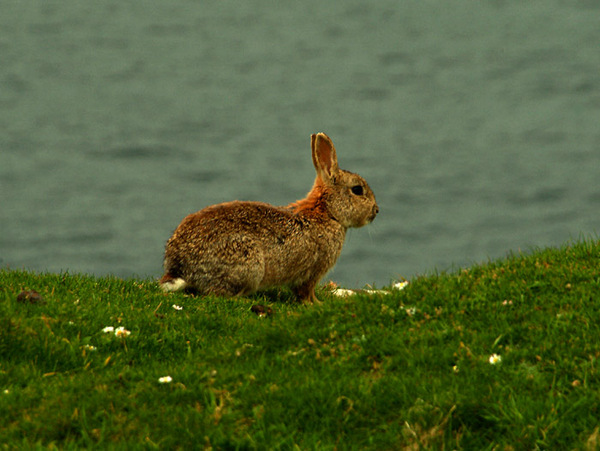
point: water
(477, 124)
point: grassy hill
(498, 356)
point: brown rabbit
(237, 248)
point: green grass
(409, 370)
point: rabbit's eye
(358, 190)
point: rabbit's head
(346, 196)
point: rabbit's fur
(237, 248)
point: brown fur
(236, 248)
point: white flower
(375, 292)
(455, 368)
(165, 380)
(494, 359)
(122, 332)
(342, 292)
(177, 307)
(108, 329)
(89, 347)
(400, 285)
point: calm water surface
(477, 124)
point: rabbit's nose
(375, 210)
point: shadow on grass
(274, 295)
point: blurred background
(477, 124)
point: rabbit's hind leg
(242, 279)
(229, 278)
(233, 282)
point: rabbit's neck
(314, 204)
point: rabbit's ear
(324, 156)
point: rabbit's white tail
(177, 284)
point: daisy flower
(121, 332)
(108, 329)
(495, 359)
(400, 285)
(165, 380)
(177, 307)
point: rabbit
(237, 248)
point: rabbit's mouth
(374, 212)
(369, 218)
